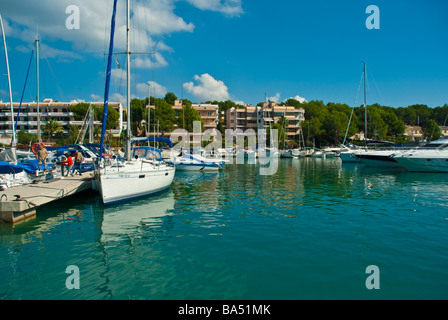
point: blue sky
(235, 49)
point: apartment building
(258, 117)
(208, 112)
(414, 133)
(48, 110)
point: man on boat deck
(41, 156)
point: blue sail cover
(29, 166)
(108, 73)
(168, 141)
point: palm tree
(51, 128)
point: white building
(48, 110)
(258, 117)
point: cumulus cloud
(227, 7)
(275, 98)
(208, 88)
(239, 102)
(157, 90)
(151, 20)
(96, 97)
(299, 98)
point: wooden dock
(20, 202)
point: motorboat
(432, 157)
(188, 162)
(377, 158)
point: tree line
(324, 124)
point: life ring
(34, 146)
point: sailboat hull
(118, 186)
(286, 154)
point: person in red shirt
(66, 161)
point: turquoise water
(307, 232)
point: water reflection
(37, 227)
(137, 218)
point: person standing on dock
(41, 156)
(77, 156)
(66, 161)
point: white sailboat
(132, 177)
(348, 153)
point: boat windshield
(148, 153)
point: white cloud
(208, 88)
(298, 98)
(151, 17)
(96, 97)
(229, 8)
(275, 98)
(239, 102)
(117, 97)
(157, 90)
(142, 62)
(150, 21)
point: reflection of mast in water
(126, 221)
(123, 223)
(198, 190)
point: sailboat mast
(128, 140)
(37, 88)
(108, 74)
(149, 110)
(365, 106)
(13, 142)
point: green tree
(431, 130)
(376, 126)
(335, 124)
(280, 135)
(312, 131)
(396, 127)
(293, 102)
(138, 111)
(112, 116)
(187, 116)
(170, 98)
(164, 115)
(422, 112)
(51, 128)
(26, 138)
(79, 110)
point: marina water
(309, 231)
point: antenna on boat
(365, 106)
